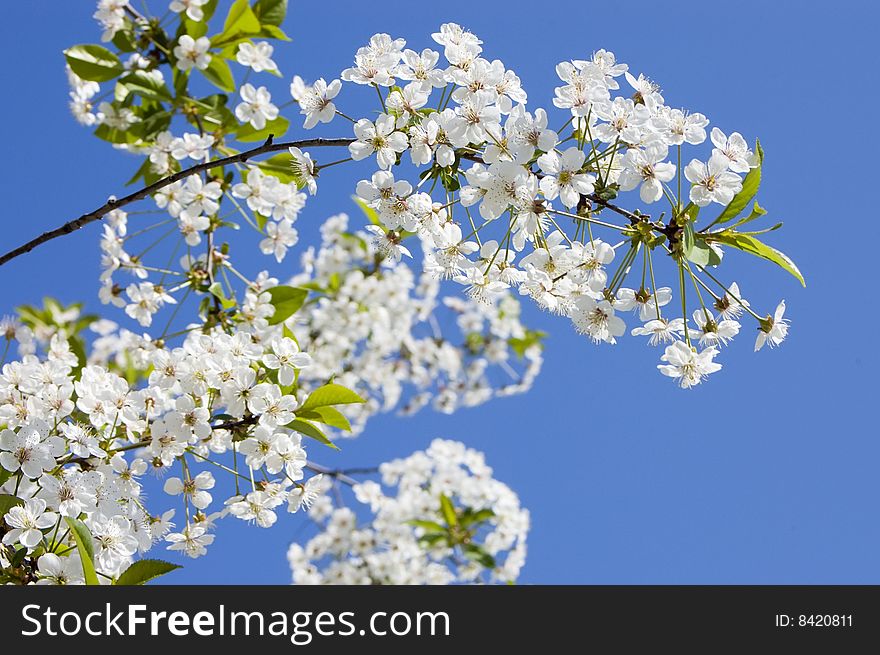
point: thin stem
(684, 317)
(699, 294)
(653, 283)
(381, 99)
(622, 228)
(321, 167)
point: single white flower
(316, 100)
(646, 168)
(379, 137)
(563, 177)
(286, 358)
(27, 521)
(597, 319)
(734, 148)
(686, 365)
(256, 56)
(256, 106)
(193, 8)
(192, 53)
(773, 329)
(712, 181)
(303, 495)
(196, 489)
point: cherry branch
(114, 203)
(242, 157)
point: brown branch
(143, 443)
(114, 203)
(242, 157)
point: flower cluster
(619, 141)
(460, 119)
(440, 518)
(376, 329)
(493, 164)
(495, 198)
(68, 428)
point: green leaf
(219, 74)
(240, 23)
(18, 558)
(241, 17)
(270, 12)
(208, 10)
(280, 166)
(448, 511)
(78, 348)
(179, 80)
(369, 212)
(311, 430)
(702, 255)
(521, 345)
(7, 502)
(93, 62)
(124, 41)
(470, 517)
(153, 123)
(287, 301)
(479, 554)
(248, 133)
(428, 526)
(273, 32)
(86, 549)
(144, 570)
(113, 135)
(772, 228)
(753, 246)
(750, 186)
(326, 415)
(214, 113)
(330, 394)
(216, 289)
(757, 212)
(146, 172)
(286, 332)
(146, 85)
(196, 29)
(687, 239)
(433, 538)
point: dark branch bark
(110, 205)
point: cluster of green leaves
(457, 528)
(696, 245)
(154, 102)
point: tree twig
(114, 203)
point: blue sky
(765, 475)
